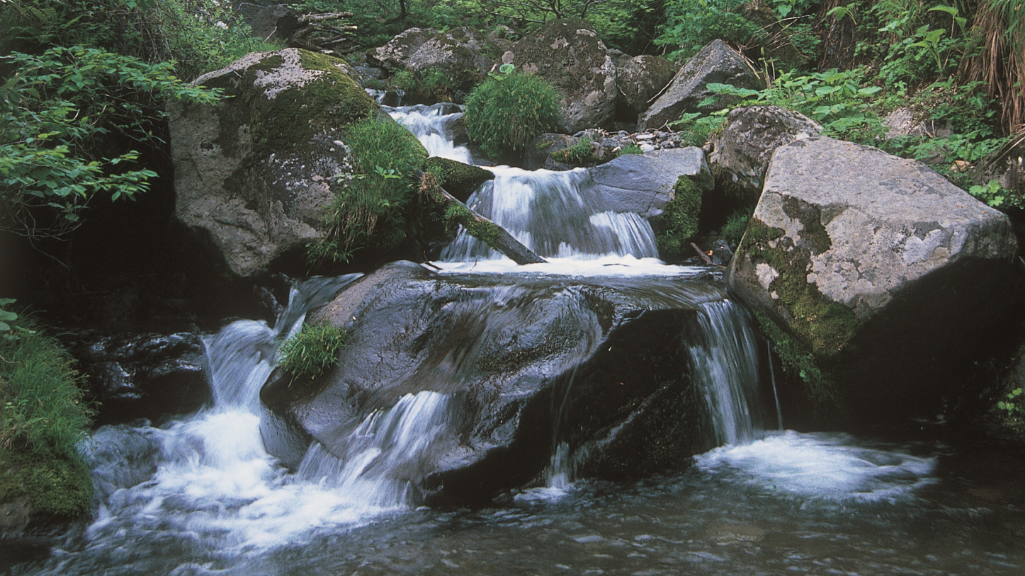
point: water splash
(433, 126)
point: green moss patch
(460, 180)
(457, 215)
(678, 222)
(57, 486)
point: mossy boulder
(256, 172)
(462, 55)
(569, 54)
(716, 63)
(879, 281)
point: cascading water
(201, 495)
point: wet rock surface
(643, 183)
(506, 354)
(151, 376)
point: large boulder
(255, 172)
(394, 55)
(879, 280)
(644, 183)
(503, 372)
(714, 64)
(639, 80)
(742, 149)
(569, 54)
(462, 53)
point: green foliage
(691, 24)
(695, 127)
(996, 196)
(197, 36)
(370, 206)
(59, 111)
(311, 351)
(433, 84)
(504, 114)
(1009, 414)
(579, 154)
(736, 224)
(41, 405)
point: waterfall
(724, 366)
(555, 214)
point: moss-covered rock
(877, 279)
(460, 180)
(678, 222)
(258, 171)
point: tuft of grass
(506, 113)
(370, 206)
(311, 351)
(736, 224)
(630, 149)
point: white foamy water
(432, 125)
(825, 465)
(608, 265)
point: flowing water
(201, 495)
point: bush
(66, 118)
(506, 113)
(311, 351)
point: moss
(678, 222)
(290, 120)
(57, 486)
(799, 361)
(459, 179)
(458, 215)
(544, 144)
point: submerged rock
(715, 63)
(515, 367)
(877, 272)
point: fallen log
(487, 231)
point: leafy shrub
(505, 113)
(691, 24)
(369, 207)
(311, 351)
(58, 113)
(196, 36)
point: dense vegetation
(509, 110)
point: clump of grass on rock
(505, 113)
(312, 351)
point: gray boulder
(255, 172)
(491, 364)
(458, 52)
(645, 183)
(394, 55)
(741, 151)
(569, 54)
(878, 279)
(714, 64)
(639, 80)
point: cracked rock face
(852, 250)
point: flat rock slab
(643, 183)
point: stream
(201, 495)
